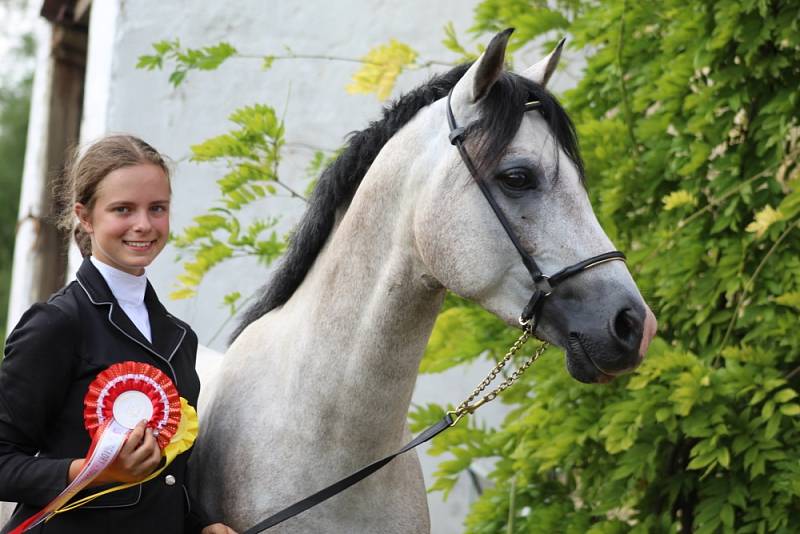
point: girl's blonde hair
(86, 169)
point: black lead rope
(343, 484)
(544, 286)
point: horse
(318, 379)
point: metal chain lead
(465, 407)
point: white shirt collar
(125, 287)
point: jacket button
(169, 480)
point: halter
(544, 284)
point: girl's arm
(35, 376)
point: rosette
(118, 399)
(130, 392)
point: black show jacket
(54, 353)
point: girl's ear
(84, 217)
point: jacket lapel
(166, 333)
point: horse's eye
(517, 180)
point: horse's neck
(365, 311)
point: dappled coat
(51, 357)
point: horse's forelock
(501, 114)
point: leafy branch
(623, 83)
(380, 67)
(251, 153)
(748, 286)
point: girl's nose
(142, 222)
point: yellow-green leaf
(790, 409)
(677, 199)
(183, 293)
(382, 65)
(763, 220)
(789, 299)
(785, 395)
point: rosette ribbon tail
(181, 442)
(107, 443)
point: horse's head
(524, 149)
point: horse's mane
(501, 113)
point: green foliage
(14, 109)
(319, 162)
(530, 19)
(452, 43)
(251, 153)
(688, 120)
(381, 67)
(206, 58)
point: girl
(120, 192)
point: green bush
(688, 119)
(15, 100)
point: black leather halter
(544, 284)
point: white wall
(318, 110)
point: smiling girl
(117, 197)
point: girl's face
(129, 223)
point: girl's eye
(121, 209)
(159, 209)
(517, 180)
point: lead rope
(450, 419)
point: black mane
(501, 114)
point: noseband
(544, 284)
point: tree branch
(712, 203)
(748, 286)
(791, 373)
(623, 86)
(323, 57)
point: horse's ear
(544, 69)
(481, 76)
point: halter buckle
(543, 284)
(457, 135)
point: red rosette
(124, 377)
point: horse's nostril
(627, 328)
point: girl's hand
(140, 455)
(218, 528)
(138, 458)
